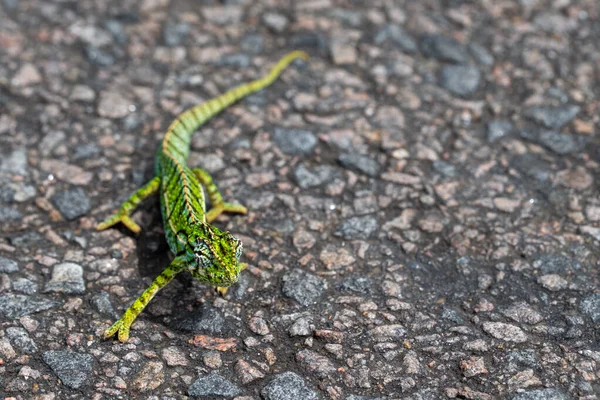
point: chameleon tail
(178, 136)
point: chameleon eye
(238, 250)
(203, 261)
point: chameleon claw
(115, 219)
(121, 327)
(234, 208)
(222, 291)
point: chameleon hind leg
(218, 206)
(122, 325)
(129, 207)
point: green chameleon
(211, 255)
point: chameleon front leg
(122, 325)
(218, 206)
(129, 207)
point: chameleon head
(216, 258)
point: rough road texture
(434, 233)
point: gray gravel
(424, 217)
(288, 386)
(72, 203)
(213, 384)
(73, 369)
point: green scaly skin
(208, 253)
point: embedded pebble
(72, 203)
(66, 278)
(303, 287)
(443, 48)
(72, 368)
(360, 163)
(358, 228)
(552, 117)
(507, 332)
(7, 265)
(288, 386)
(297, 142)
(460, 80)
(213, 384)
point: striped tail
(178, 136)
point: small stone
(506, 205)
(444, 48)
(308, 178)
(101, 302)
(300, 327)
(303, 287)
(360, 163)
(398, 36)
(258, 326)
(16, 306)
(296, 142)
(385, 333)
(358, 284)
(288, 386)
(73, 369)
(8, 214)
(497, 129)
(24, 285)
(560, 143)
(66, 278)
(330, 336)
(479, 345)
(335, 257)
(552, 117)
(83, 93)
(358, 228)
(343, 51)
(253, 43)
(113, 104)
(8, 265)
(20, 339)
(431, 223)
(553, 282)
(523, 313)
(72, 203)
(590, 306)
(175, 33)
(213, 384)
(460, 80)
(212, 359)
(99, 56)
(27, 75)
(507, 332)
(481, 54)
(67, 172)
(247, 373)
(576, 178)
(473, 367)
(173, 356)
(15, 162)
(556, 263)
(275, 21)
(541, 394)
(531, 166)
(314, 363)
(225, 15)
(150, 377)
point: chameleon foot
(215, 211)
(120, 326)
(115, 219)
